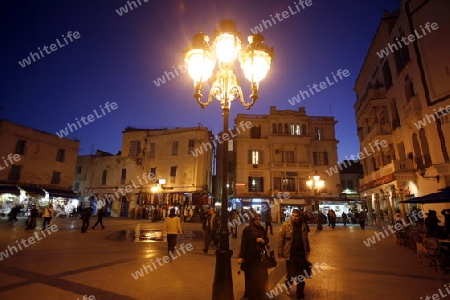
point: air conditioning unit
(255, 166)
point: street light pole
(255, 60)
(223, 280)
(315, 185)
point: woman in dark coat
(253, 243)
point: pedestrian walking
(172, 226)
(268, 222)
(12, 216)
(31, 221)
(253, 243)
(332, 218)
(48, 216)
(344, 218)
(234, 219)
(362, 219)
(100, 215)
(320, 219)
(293, 246)
(86, 217)
(211, 227)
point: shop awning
(54, 193)
(33, 191)
(9, 189)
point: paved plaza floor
(101, 263)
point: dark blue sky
(117, 58)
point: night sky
(117, 59)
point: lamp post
(315, 184)
(255, 60)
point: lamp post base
(223, 282)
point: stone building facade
(36, 167)
(403, 101)
(156, 167)
(276, 157)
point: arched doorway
(124, 205)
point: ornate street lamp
(201, 58)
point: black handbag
(268, 258)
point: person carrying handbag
(253, 244)
(48, 216)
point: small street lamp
(315, 184)
(201, 58)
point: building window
(79, 168)
(298, 129)
(320, 158)
(14, 173)
(277, 183)
(152, 150)
(173, 171)
(375, 163)
(20, 146)
(76, 186)
(274, 128)
(303, 129)
(401, 56)
(425, 148)
(56, 178)
(191, 145)
(255, 132)
(318, 131)
(417, 152)
(175, 148)
(409, 89)
(135, 148)
(280, 128)
(152, 173)
(395, 117)
(302, 185)
(289, 184)
(289, 156)
(104, 174)
(387, 76)
(61, 155)
(123, 176)
(286, 129)
(255, 157)
(292, 129)
(255, 184)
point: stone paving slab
(68, 265)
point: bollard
(137, 233)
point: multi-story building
(403, 105)
(36, 168)
(155, 167)
(277, 156)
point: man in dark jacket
(86, 217)
(31, 222)
(293, 245)
(211, 227)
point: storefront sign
(379, 181)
